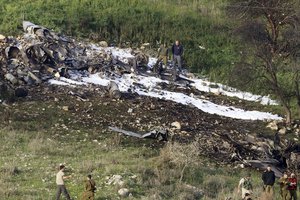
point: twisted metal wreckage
(41, 54)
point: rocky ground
(66, 108)
(40, 55)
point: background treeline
(196, 23)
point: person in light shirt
(61, 188)
(245, 186)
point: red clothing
(292, 184)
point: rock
(190, 75)
(65, 108)
(226, 145)
(295, 126)
(176, 125)
(103, 44)
(115, 180)
(130, 110)
(217, 93)
(147, 44)
(273, 125)
(2, 37)
(123, 192)
(250, 139)
(282, 131)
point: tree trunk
(288, 114)
(297, 93)
(285, 105)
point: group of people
(177, 52)
(89, 186)
(287, 183)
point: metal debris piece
(11, 78)
(161, 135)
(113, 90)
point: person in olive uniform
(283, 183)
(89, 189)
(163, 54)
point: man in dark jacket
(177, 51)
(268, 178)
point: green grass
(29, 161)
(37, 135)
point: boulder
(176, 125)
(273, 126)
(123, 192)
(103, 44)
(282, 131)
(2, 37)
(115, 180)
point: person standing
(61, 188)
(292, 187)
(283, 183)
(163, 54)
(177, 51)
(245, 186)
(89, 189)
(268, 178)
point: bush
(214, 184)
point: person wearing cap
(61, 188)
(292, 187)
(245, 186)
(283, 183)
(89, 189)
(268, 178)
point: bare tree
(269, 28)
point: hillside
(67, 115)
(134, 22)
(80, 85)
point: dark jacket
(177, 50)
(268, 178)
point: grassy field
(29, 162)
(39, 133)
